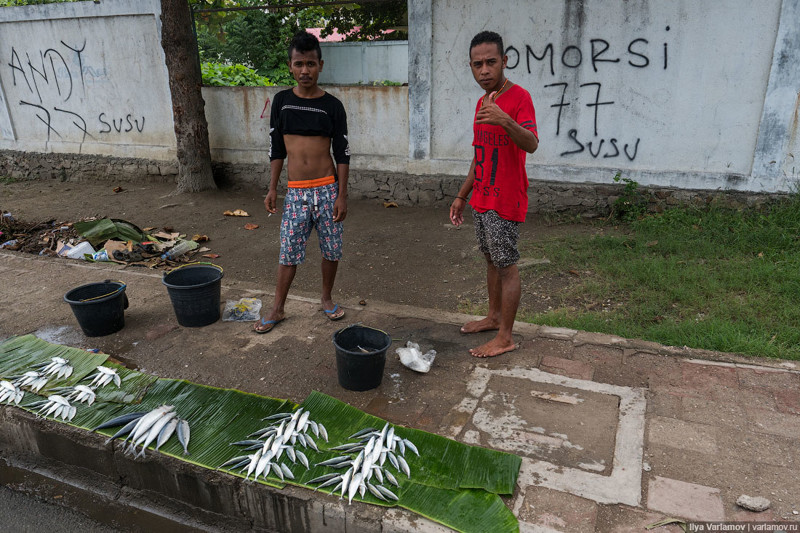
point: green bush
(221, 75)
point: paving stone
(623, 519)
(764, 421)
(705, 378)
(558, 510)
(788, 401)
(662, 402)
(710, 412)
(687, 500)
(567, 367)
(775, 380)
(682, 435)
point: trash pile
(103, 239)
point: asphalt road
(22, 514)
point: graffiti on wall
(53, 86)
(569, 92)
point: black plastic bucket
(360, 356)
(99, 307)
(195, 293)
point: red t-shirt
(501, 183)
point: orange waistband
(305, 184)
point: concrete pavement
(615, 434)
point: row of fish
(145, 428)
(272, 442)
(373, 449)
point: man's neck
(311, 92)
(501, 86)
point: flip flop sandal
(270, 323)
(332, 316)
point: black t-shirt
(324, 117)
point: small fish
(354, 486)
(404, 466)
(234, 461)
(361, 433)
(324, 477)
(332, 481)
(410, 445)
(278, 471)
(277, 416)
(386, 492)
(184, 435)
(323, 431)
(334, 461)
(118, 421)
(302, 458)
(375, 492)
(10, 392)
(286, 471)
(390, 478)
(125, 430)
(166, 432)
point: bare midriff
(310, 159)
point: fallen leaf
(236, 213)
(651, 244)
(362, 302)
(200, 238)
(760, 254)
(390, 204)
(250, 226)
(575, 273)
(118, 189)
(211, 256)
(148, 230)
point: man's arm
(275, 168)
(490, 113)
(460, 202)
(340, 206)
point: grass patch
(715, 278)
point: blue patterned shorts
(303, 209)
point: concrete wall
(688, 94)
(85, 78)
(682, 94)
(364, 63)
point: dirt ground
(405, 255)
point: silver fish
(410, 445)
(286, 471)
(184, 435)
(375, 492)
(404, 466)
(386, 492)
(302, 458)
(166, 432)
(390, 478)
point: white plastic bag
(245, 310)
(412, 357)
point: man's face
(487, 65)
(305, 67)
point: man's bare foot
(494, 348)
(487, 324)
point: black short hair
(488, 37)
(304, 42)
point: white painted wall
(681, 85)
(692, 94)
(85, 78)
(377, 119)
(364, 63)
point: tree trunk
(188, 107)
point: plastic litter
(412, 357)
(8, 244)
(80, 250)
(244, 310)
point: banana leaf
(443, 463)
(99, 231)
(19, 355)
(451, 483)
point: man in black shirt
(305, 123)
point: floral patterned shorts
(304, 209)
(497, 237)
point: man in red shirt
(504, 133)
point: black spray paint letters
(637, 54)
(51, 77)
(595, 148)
